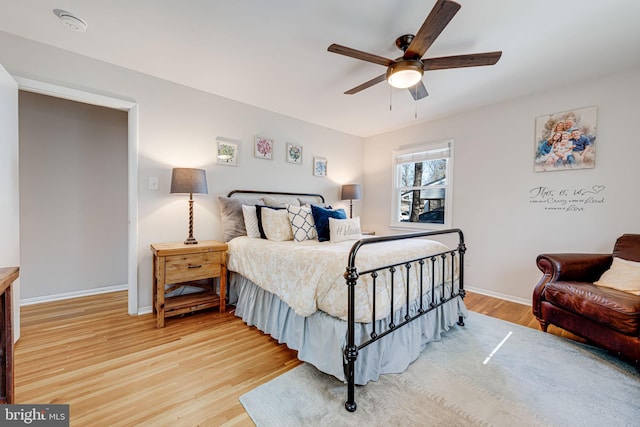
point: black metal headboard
(275, 193)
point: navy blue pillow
(321, 218)
(259, 215)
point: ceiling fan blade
(358, 54)
(418, 91)
(460, 61)
(365, 85)
(443, 12)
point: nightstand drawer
(183, 268)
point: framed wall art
(566, 140)
(263, 148)
(319, 166)
(294, 153)
(227, 153)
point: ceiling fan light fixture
(405, 73)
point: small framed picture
(319, 166)
(294, 153)
(263, 148)
(227, 153)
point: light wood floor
(118, 370)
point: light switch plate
(153, 183)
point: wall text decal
(567, 199)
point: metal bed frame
(426, 263)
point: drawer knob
(194, 266)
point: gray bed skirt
(320, 339)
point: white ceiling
(273, 54)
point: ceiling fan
(407, 71)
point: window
(422, 186)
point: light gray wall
(177, 127)
(73, 204)
(493, 179)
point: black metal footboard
(427, 273)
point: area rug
(487, 373)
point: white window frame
(415, 153)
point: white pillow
(623, 275)
(344, 229)
(251, 221)
(276, 225)
(302, 224)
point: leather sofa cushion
(627, 247)
(616, 309)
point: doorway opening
(130, 108)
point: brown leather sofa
(566, 297)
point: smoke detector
(71, 21)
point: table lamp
(351, 192)
(187, 180)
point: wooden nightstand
(181, 265)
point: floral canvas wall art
(294, 153)
(319, 166)
(227, 153)
(263, 148)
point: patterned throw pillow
(302, 224)
(344, 229)
(259, 210)
(251, 221)
(275, 223)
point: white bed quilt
(309, 275)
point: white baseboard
(498, 295)
(145, 310)
(76, 294)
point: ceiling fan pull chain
(415, 99)
(390, 98)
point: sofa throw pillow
(344, 229)
(232, 217)
(259, 210)
(276, 225)
(303, 226)
(321, 218)
(251, 221)
(623, 275)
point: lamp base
(190, 240)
